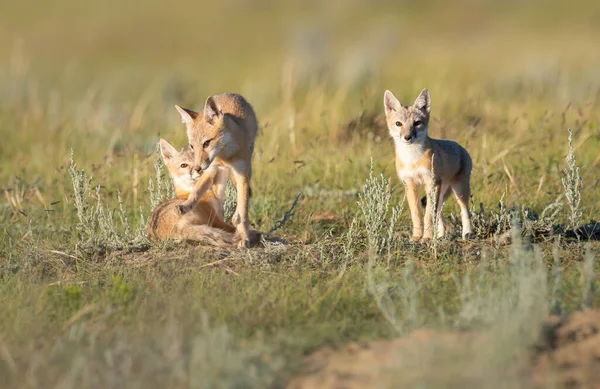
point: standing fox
(204, 223)
(437, 164)
(223, 135)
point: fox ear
(212, 110)
(390, 102)
(167, 151)
(423, 102)
(187, 115)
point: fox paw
(415, 238)
(243, 243)
(468, 236)
(242, 238)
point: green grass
(507, 81)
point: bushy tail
(210, 236)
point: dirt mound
(379, 364)
(567, 356)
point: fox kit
(204, 223)
(222, 136)
(416, 154)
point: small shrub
(573, 185)
(374, 202)
(161, 189)
(230, 201)
(98, 231)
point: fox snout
(199, 167)
(196, 173)
(409, 136)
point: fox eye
(205, 144)
(398, 124)
(191, 147)
(417, 123)
(184, 165)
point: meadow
(87, 90)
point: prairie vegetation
(87, 89)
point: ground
(337, 293)
(567, 355)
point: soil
(569, 352)
(567, 355)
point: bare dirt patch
(567, 356)
(379, 363)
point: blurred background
(102, 77)
(247, 40)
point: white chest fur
(409, 156)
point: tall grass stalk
(573, 185)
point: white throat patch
(409, 154)
(184, 182)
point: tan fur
(223, 135)
(204, 223)
(417, 153)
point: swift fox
(222, 136)
(204, 223)
(417, 153)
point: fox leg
(219, 186)
(412, 196)
(462, 192)
(444, 194)
(240, 217)
(222, 225)
(204, 183)
(428, 222)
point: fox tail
(210, 236)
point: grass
(87, 302)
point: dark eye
(191, 147)
(184, 165)
(398, 124)
(417, 123)
(205, 144)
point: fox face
(407, 124)
(180, 166)
(207, 133)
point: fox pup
(204, 223)
(416, 154)
(222, 136)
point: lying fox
(204, 223)
(222, 136)
(416, 154)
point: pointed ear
(423, 102)
(187, 115)
(167, 151)
(212, 110)
(390, 102)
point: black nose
(407, 137)
(198, 169)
